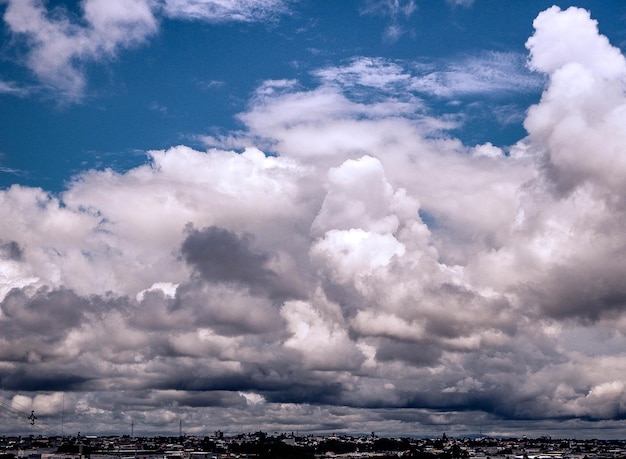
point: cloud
(373, 73)
(463, 3)
(10, 87)
(391, 8)
(324, 344)
(222, 256)
(372, 271)
(58, 47)
(577, 118)
(225, 10)
(490, 73)
(395, 10)
(11, 251)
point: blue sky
(191, 76)
(355, 216)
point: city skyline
(385, 216)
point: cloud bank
(371, 273)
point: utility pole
(132, 436)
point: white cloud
(10, 87)
(225, 10)
(358, 197)
(253, 398)
(464, 3)
(393, 8)
(577, 120)
(355, 253)
(397, 11)
(59, 47)
(324, 345)
(571, 36)
(488, 150)
(487, 73)
(371, 72)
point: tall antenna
(180, 428)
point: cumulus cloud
(370, 263)
(578, 117)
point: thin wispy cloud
(489, 73)
(11, 87)
(225, 10)
(394, 11)
(463, 3)
(484, 74)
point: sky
(392, 216)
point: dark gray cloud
(586, 292)
(414, 353)
(57, 310)
(10, 250)
(223, 256)
(225, 309)
(220, 255)
(38, 380)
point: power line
(21, 415)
